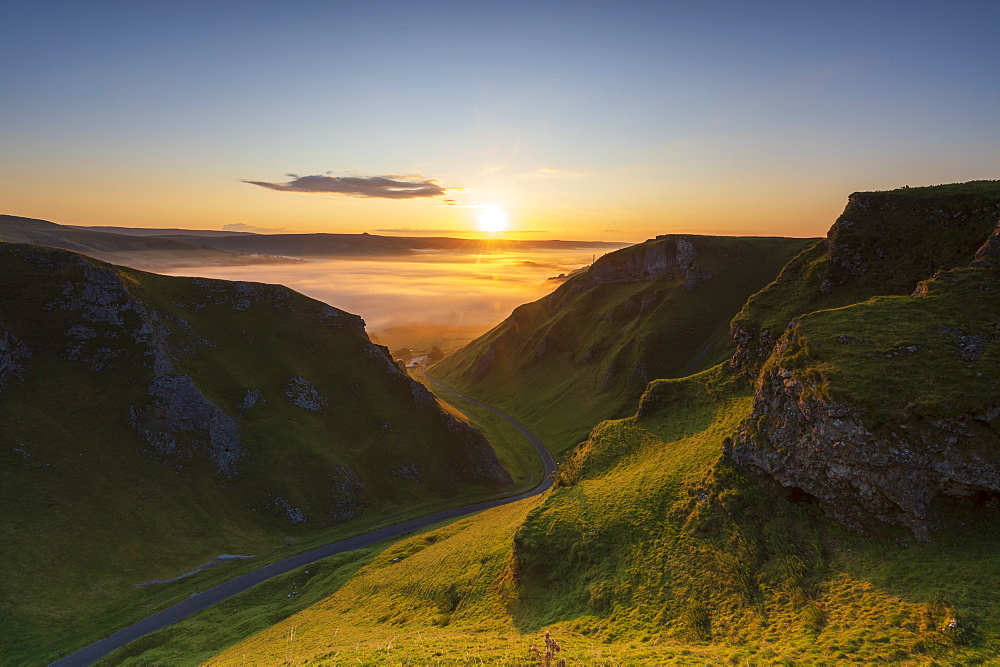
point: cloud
(385, 187)
(253, 229)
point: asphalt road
(201, 601)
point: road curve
(201, 601)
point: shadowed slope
(152, 423)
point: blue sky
(578, 119)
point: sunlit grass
(657, 551)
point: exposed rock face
(348, 496)
(304, 395)
(752, 346)
(281, 507)
(480, 461)
(178, 422)
(181, 423)
(14, 356)
(173, 349)
(860, 477)
(989, 253)
(422, 397)
(870, 466)
(112, 318)
(667, 254)
(250, 399)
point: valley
(758, 450)
(518, 334)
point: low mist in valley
(445, 299)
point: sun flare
(492, 219)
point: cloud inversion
(385, 187)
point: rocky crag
(883, 243)
(885, 410)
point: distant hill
(135, 251)
(151, 423)
(165, 248)
(336, 245)
(585, 352)
(159, 231)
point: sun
(492, 219)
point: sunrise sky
(580, 120)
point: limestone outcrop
(861, 475)
(885, 410)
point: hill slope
(151, 423)
(338, 245)
(585, 352)
(135, 251)
(883, 243)
(690, 531)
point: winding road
(201, 601)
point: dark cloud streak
(385, 187)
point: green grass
(913, 344)
(653, 548)
(202, 636)
(88, 514)
(934, 192)
(514, 452)
(659, 551)
(884, 243)
(603, 342)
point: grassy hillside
(585, 352)
(657, 545)
(151, 423)
(135, 251)
(659, 551)
(883, 243)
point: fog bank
(453, 290)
